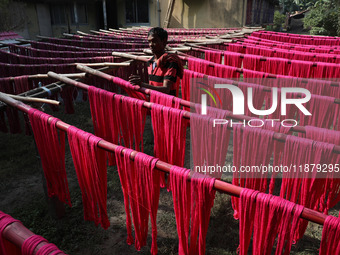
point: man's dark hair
(160, 32)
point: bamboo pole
(33, 99)
(129, 56)
(82, 33)
(17, 233)
(45, 76)
(221, 186)
(122, 64)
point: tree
(295, 5)
(323, 18)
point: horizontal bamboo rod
(219, 185)
(129, 56)
(17, 233)
(122, 64)
(33, 99)
(45, 76)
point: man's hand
(135, 80)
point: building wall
(92, 23)
(192, 13)
(37, 20)
(32, 25)
(212, 13)
(44, 19)
(153, 13)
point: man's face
(156, 44)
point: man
(165, 69)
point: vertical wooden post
(169, 14)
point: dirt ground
(22, 196)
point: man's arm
(167, 84)
(165, 89)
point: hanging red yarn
(330, 236)
(164, 99)
(141, 188)
(169, 127)
(191, 200)
(252, 148)
(51, 149)
(31, 243)
(7, 247)
(90, 165)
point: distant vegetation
(323, 17)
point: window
(58, 14)
(81, 12)
(137, 11)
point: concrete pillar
(76, 20)
(104, 14)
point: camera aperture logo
(238, 102)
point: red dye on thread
(31, 243)
(213, 56)
(129, 88)
(247, 211)
(274, 217)
(191, 200)
(330, 236)
(49, 249)
(324, 112)
(90, 165)
(202, 200)
(141, 186)
(187, 83)
(209, 143)
(303, 69)
(331, 190)
(131, 117)
(258, 96)
(209, 68)
(304, 187)
(7, 247)
(169, 127)
(117, 118)
(104, 117)
(164, 99)
(278, 148)
(269, 218)
(232, 59)
(51, 149)
(22, 84)
(252, 148)
(11, 112)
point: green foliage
(278, 20)
(323, 19)
(292, 6)
(4, 3)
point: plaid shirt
(167, 67)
